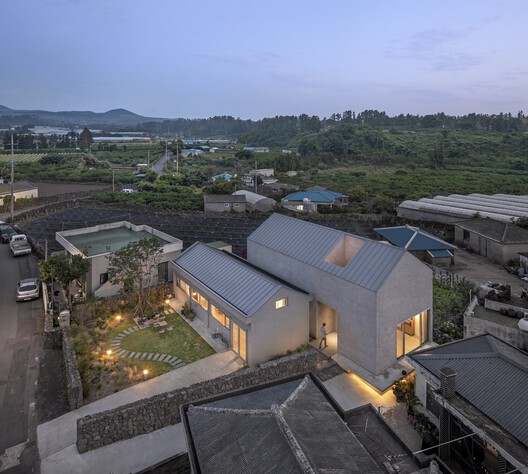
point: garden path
(115, 345)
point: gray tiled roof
(496, 230)
(490, 374)
(311, 243)
(236, 282)
(290, 428)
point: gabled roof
(490, 374)
(324, 196)
(233, 280)
(17, 186)
(499, 231)
(412, 238)
(312, 243)
(252, 198)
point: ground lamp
(145, 373)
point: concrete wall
(366, 321)
(22, 194)
(407, 292)
(513, 336)
(272, 332)
(222, 207)
(150, 414)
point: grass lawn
(182, 342)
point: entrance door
(238, 340)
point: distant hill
(74, 118)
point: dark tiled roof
(503, 232)
(490, 374)
(213, 198)
(290, 428)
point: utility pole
(177, 158)
(113, 181)
(12, 177)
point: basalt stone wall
(74, 386)
(147, 415)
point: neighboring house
(259, 315)
(186, 152)
(267, 172)
(291, 426)
(247, 180)
(224, 203)
(256, 202)
(424, 246)
(97, 243)
(377, 297)
(224, 175)
(291, 173)
(499, 241)
(261, 149)
(475, 390)
(21, 190)
(309, 201)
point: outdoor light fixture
(166, 301)
(118, 317)
(109, 352)
(145, 373)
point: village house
(97, 243)
(224, 203)
(21, 190)
(259, 315)
(310, 200)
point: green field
(21, 157)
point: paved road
(21, 325)
(159, 166)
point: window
(219, 316)
(103, 278)
(282, 303)
(411, 334)
(226, 204)
(236, 205)
(183, 286)
(199, 299)
(465, 235)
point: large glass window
(199, 299)
(219, 316)
(183, 286)
(411, 334)
(238, 341)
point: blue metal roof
(312, 243)
(440, 253)
(490, 374)
(237, 283)
(314, 196)
(224, 175)
(412, 238)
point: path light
(167, 301)
(118, 317)
(109, 352)
(145, 373)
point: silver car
(27, 289)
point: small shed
(256, 202)
(224, 203)
(423, 245)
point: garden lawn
(182, 342)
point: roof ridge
(411, 239)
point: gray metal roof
(490, 374)
(234, 281)
(252, 198)
(213, 198)
(503, 232)
(299, 432)
(312, 243)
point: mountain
(119, 117)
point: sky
(260, 58)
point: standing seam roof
(238, 284)
(311, 243)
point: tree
(135, 267)
(64, 269)
(86, 138)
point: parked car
(19, 245)
(27, 289)
(7, 233)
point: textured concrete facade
(365, 320)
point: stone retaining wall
(513, 336)
(74, 388)
(147, 415)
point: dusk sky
(255, 59)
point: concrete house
(376, 297)
(309, 201)
(258, 314)
(97, 243)
(499, 241)
(21, 190)
(224, 203)
(475, 389)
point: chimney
(447, 382)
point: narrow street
(21, 326)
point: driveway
(479, 270)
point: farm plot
(22, 157)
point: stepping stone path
(115, 344)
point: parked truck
(19, 245)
